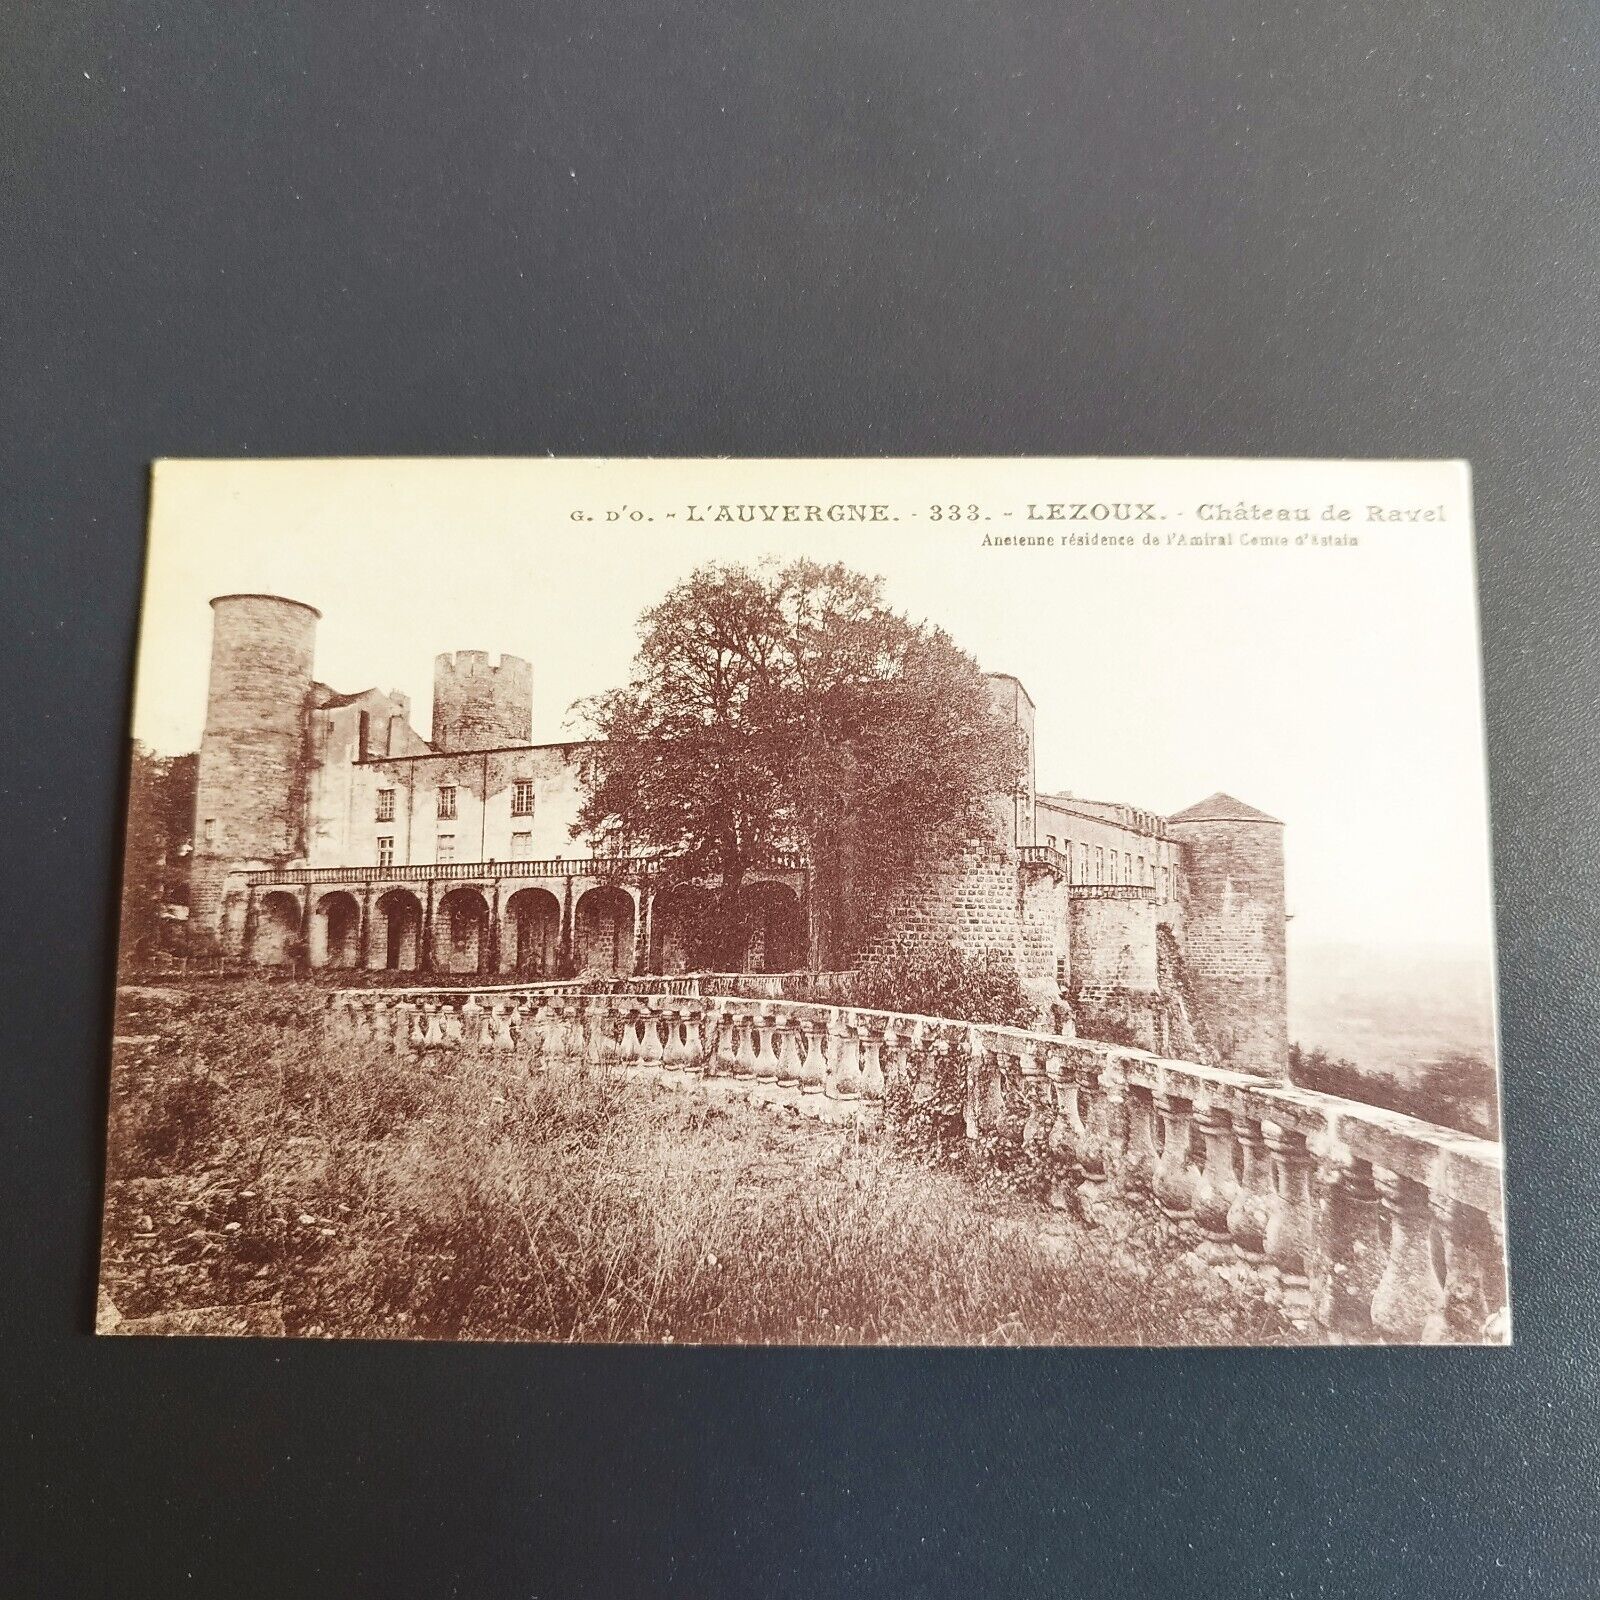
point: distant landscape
(1391, 1010)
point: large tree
(792, 707)
(156, 843)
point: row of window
(521, 801)
(444, 848)
(1110, 866)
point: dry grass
(262, 1182)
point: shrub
(946, 983)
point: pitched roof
(1221, 807)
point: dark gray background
(339, 227)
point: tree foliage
(155, 851)
(791, 707)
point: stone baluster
(1410, 1292)
(477, 1023)
(378, 1021)
(897, 1056)
(726, 1059)
(1216, 1187)
(766, 1063)
(650, 1043)
(1131, 1144)
(433, 1033)
(400, 1032)
(500, 1029)
(627, 1051)
(1092, 1116)
(872, 1076)
(1474, 1277)
(1251, 1209)
(1059, 1136)
(453, 1028)
(788, 1051)
(1039, 1104)
(744, 1054)
(1174, 1181)
(812, 1073)
(671, 1046)
(1289, 1215)
(847, 1063)
(1346, 1260)
(973, 1054)
(696, 1044)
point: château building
(328, 829)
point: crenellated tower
(479, 704)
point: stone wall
(345, 826)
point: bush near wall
(946, 983)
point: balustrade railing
(482, 871)
(1359, 1221)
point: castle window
(1083, 863)
(209, 833)
(1163, 883)
(447, 801)
(522, 798)
(1050, 839)
(386, 805)
(1141, 878)
(1127, 866)
(1099, 864)
(447, 848)
(521, 846)
(1066, 845)
(386, 850)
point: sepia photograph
(911, 902)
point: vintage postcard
(808, 902)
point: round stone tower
(1234, 931)
(479, 706)
(250, 781)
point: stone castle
(327, 829)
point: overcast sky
(1336, 688)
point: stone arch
(336, 931)
(681, 928)
(461, 931)
(530, 937)
(396, 931)
(275, 937)
(603, 931)
(774, 928)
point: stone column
(251, 914)
(494, 927)
(642, 931)
(425, 954)
(364, 944)
(564, 966)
